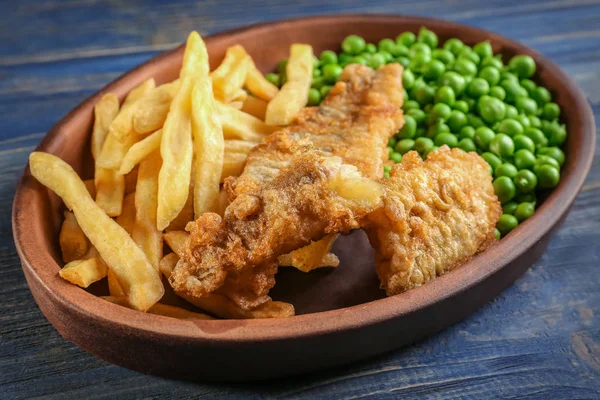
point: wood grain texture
(539, 339)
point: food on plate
(436, 215)
(161, 309)
(315, 255)
(73, 242)
(84, 272)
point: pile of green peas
(463, 97)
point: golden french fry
(208, 146)
(167, 264)
(315, 255)
(127, 218)
(239, 96)
(91, 187)
(110, 189)
(105, 112)
(233, 164)
(73, 242)
(255, 106)
(176, 240)
(139, 91)
(221, 306)
(185, 215)
(239, 146)
(84, 272)
(293, 96)
(137, 277)
(113, 284)
(144, 231)
(194, 58)
(151, 111)
(140, 150)
(236, 104)
(258, 85)
(239, 125)
(176, 150)
(230, 76)
(161, 309)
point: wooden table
(539, 339)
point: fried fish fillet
(283, 200)
(436, 215)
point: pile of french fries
(160, 158)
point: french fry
(221, 306)
(127, 218)
(239, 125)
(84, 272)
(293, 96)
(176, 240)
(139, 91)
(315, 255)
(255, 106)
(144, 231)
(230, 76)
(151, 111)
(258, 85)
(110, 189)
(238, 97)
(185, 215)
(73, 242)
(167, 264)
(208, 146)
(113, 284)
(91, 187)
(161, 309)
(140, 150)
(105, 112)
(194, 58)
(239, 146)
(131, 180)
(138, 278)
(233, 164)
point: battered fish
(436, 215)
(283, 200)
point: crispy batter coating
(436, 215)
(283, 200)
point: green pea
(437, 128)
(551, 111)
(492, 159)
(504, 188)
(358, 60)
(423, 144)
(433, 70)
(467, 145)
(370, 48)
(529, 85)
(404, 146)
(396, 157)
(510, 207)
(511, 111)
(418, 61)
(447, 139)
(410, 104)
(406, 38)
(353, 44)
(456, 121)
(409, 128)
(525, 181)
(421, 131)
(534, 121)
(483, 49)
(392, 142)
(491, 109)
(386, 45)
(440, 111)
(506, 169)
(402, 60)
(408, 79)
(555, 133)
(497, 92)
(462, 106)
(470, 55)
(478, 87)
(467, 132)
(328, 57)
(405, 94)
(465, 67)
(344, 58)
(325, 91)
(376, 60)
(512, 89)
(386, 55)
(524, 159)
(497, 233)
(524, 211)
(419, 48)
(502, 145)
(317, 83)
(386, 171)
(332, 72)
(418, 114)
(445, 95)
(431, 150)
(424, 95)
(522, 65)
(443, 55)
(506, 223)
(492, 62)
(428, 37)
(398, 50)
(316, 72)
(454, 45)
(475, 121)
(553, 152)
(511, 127)
(526, 198)
(548, 176)
(545, 160)
(453, 80)
(314, 97)
(273, 78)
(537, 136)
(526, 105)
(541, 95)
(490, 74)
(523, 142)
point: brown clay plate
(343, 316)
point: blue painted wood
(539, 339)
